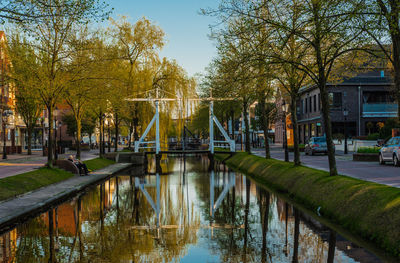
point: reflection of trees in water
(114, 235)
(235, 220)
(114, 222)
(139, 240)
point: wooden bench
(68, 166)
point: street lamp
(5, 115)
(284, 110)
(43, 132)
(59, 142)
(55, 138)
(109, 133)
(345, 114)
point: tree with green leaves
(49, 37)
(137, 44)
(327, 30)
(28, 103)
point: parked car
(390, 152)
(316, 145)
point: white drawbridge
(142, 144)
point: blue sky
(186, 30)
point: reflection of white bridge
(156, 120)
(156, 206)
(228, 183)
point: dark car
(316, 145)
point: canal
(187, 214)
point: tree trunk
(50, 138)
(104, 136)
(233, 124)
(116, 132)
(131, 124)
(324, 93)
(78, 138)
(332, 246)
(396, 67)
(90, 140)
(100, 137)
(135, 124)
(29, 130)
(109, 138)
(295, 258)
(293, 111)
(328, 128)
(264, 125)
(247, 128)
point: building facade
(366, 98)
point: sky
(186, 30)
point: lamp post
(109, 134)
(59, 142)
(55, 139)
(345, 114)
(284, 109)
(43, 132)
(5, 115)
(4, 136)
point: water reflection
(189, 215)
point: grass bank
(98, 163)
(22, 183)
(367, 209)
(26, 182)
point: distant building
(366, 98)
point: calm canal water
(185, 215)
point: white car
(390, 152)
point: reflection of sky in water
(185, 234)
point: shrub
(372, 149)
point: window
(310, 103)
(315, 102)
(301, 107)
(335, 100)
(306, 105)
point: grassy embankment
(26, 182)
(98, 163)
(368, 209)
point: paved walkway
(22, 163)
(369, 171)
(23, 206)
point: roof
(373, 77)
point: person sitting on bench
(81, 166)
